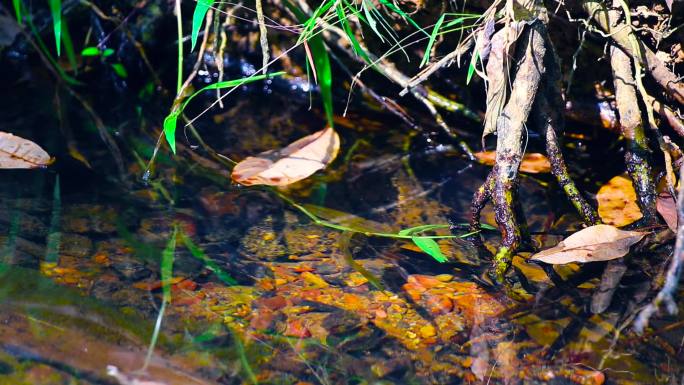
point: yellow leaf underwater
(293, 163)
(533, 163)
(617, 202)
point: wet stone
(87, 218)
(75, 245)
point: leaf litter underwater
(103, 283)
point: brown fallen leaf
(533, 163)
(667, 208)
(593, 244)
(617, 202)
(17, 152)
(293, 163)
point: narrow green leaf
(430, 247)
(56, 11)
(350, 34)
(90, 51)
(471, 67)
(170, 129)
(171, 119)
(18, 10)
(403, 14)
(421, 228)
(120, 70)
(198, 16)
(454, 22)
(167, 265)
(369, 17)
(431, 42)
(107, 52)
(69, 47)
(321, 60)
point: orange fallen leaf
(667, 208)
(17, 152)
(593, 244)
(293, 163)
(617, 202)
(533, 163)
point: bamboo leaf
(198, 16)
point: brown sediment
(631, 125)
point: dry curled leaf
(617, 202)
(667, 208)
(593, 244)
(533, 163)
(293, 163)
(17, 152)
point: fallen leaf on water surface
(293, 163)
(593, 244)
(17, 152)
(617, 202)
(667, 208)
(533, 163)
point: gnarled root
(535, 88)
(637, 154)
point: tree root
(534, 95)
(622, 35)
(631, 125)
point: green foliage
(120, 70)
(471, 67)
(198, 16)
(18, 9)
(95, 51)
(431, 42)
(321, 59)
(428, 245)
(56, 12)
(171, 120)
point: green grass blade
(18, 10)
(471, 67)
(171, 120)
(431, 42)
(403, 14)
(56, 11)
(350, 34)
(321, 62)
(198, 16)
(212, 266)
(421, 228)
(166, 270)
(69, 47)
